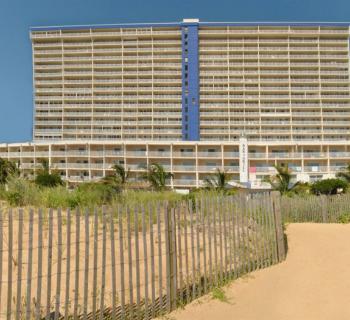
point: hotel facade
(192, 96)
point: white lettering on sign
(243, 159)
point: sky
(17, 16)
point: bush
(45, 179)
(344, 218)
(21, 192)
(329, 186)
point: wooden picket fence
(326, 209)
(132, 262)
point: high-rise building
(183, 94)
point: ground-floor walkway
(312, 284)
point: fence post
(276, 203)
(171, 256)
(324, 208)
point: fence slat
(68, 250)
(278, 222)
(233, 209)
(220, 242)
(267, 240)
(151, 240)
(9, 264)
(59, 263)
(272, 226)
(29, 266)
(213, 207)
(49, 266)
(250, 245)
(104, 252)
(198, 270)
(179, 250)
(224, 214)
(86, 263)
(40, 265)
(1, 249)
(208, 227)
(160, 261)
(131, 290)
(229, 236)
(254, 225)
(205, 261)
(19, 264)
(121, 258)
(239, 210)
(114, 276)
(173, 250)
(186, 253)
(94, 276)
(168, 258)
(145, 260)
(77, 255)
(192, 251)
(137, 261)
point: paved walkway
(312, 284)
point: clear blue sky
(16, 16)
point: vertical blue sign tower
(190, 80)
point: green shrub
(301, 189)
(92, 194)
(15, 199)
(329, 186)
(21, 192)
(344, 218)
(46, 179)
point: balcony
(315, 169)
(184, 168)
(136, 153)
(257, 155)
(339, 154)
(314, 155)
(185, 154)
(209, 168)
(160, 154)
(208, 154)
(231, 168)
(184, 182)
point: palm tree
(157, 176)
(7, 169)
(119, 178)
(282, 180)
(218, 180)
(345, 173)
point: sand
(313, 283)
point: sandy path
(313, 283)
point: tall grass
(21, 192)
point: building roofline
(185, 21)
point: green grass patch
(218, 293)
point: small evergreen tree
(7, 169)
(46, 179)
